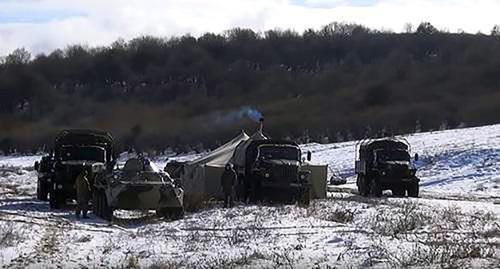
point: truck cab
(386, 164)
(74, 151)
(272, 171)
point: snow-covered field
(455, 223)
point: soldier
(82, 194)
(228, 181)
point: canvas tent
(201, 177)
(239, 156)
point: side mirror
(37, 165)
(309, 155)
(416, 157)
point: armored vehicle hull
(139, 186)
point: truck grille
(399, 171)
(288, 173)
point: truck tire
(375, 189)
(398, 191)
(362, 185)
(413, 189)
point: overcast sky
(44, 25)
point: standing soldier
(82, 194)
(228, 181)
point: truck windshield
(83, 153)
(279, 152)
(393, 155)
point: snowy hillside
(454, 223)
(462, 161)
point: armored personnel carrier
(386, 164)
(75, 150)
(140, 185)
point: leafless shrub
(10, 234)
(282, 259)
(340, 212)
(132, 262)
(438, 249)
(404, 218)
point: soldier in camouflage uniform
(228, 182)
(82, 194)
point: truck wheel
(362, 186)
(375, 189)
(398, 191)
(413, 189)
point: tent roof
(220, 157)
(239, 156)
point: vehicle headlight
(383, 173)
(59, 186)
(267, 175)
(49, 180)
(302, 176)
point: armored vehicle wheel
(42, 191)
(375, 189)
(362, 185)
(413, 189)
(171, 213)
(398, 191)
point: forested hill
(342, 81)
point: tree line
(342, 81)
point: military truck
(386, 164)
(140, 185)
(271, 170)
(45, 173)
(75, 150)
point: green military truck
(74, 151)
(271, 170)
(386, 164)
